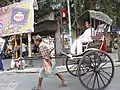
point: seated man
(85, 37)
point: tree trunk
(58, 42)
(119, 51)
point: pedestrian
(1, 64)
(49, 65)
(24, 50)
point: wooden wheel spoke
(104, 76)
(85, 73)
(98, 81)
(94, 81)
(75, 69)
(90, 79)
(72, 66)
(101, 79)
(97, 60)
(73, 61)
(91, 61)
(82, 68)
(109, 74)
(95, 57)
(105, 68)
(104, 64)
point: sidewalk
(61, 69)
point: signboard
(16, 19)
(35, 5)
(19, 16)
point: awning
(115, 28)
(94, 15)
(46, 28)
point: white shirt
(86, 36)
(23, 48)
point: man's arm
(87, 33)
(83, 35)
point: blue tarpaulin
(115, 28)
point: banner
(16, 19)
(35, 4)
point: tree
(5, 2)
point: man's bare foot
(36, 88)
(39, 88)
(64, 84)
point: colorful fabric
(53, 72)
(104, 46)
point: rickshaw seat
(97, 41)
(85, 44)
(95, 44)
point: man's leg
(64, 83)
(40, 83)
(41, 73)
(73, 48)
(79, 46)
(60, 77)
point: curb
(61, 69)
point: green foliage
(44, 8)
(5, 2)
(110, 7)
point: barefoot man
(45, 51)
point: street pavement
(26, 81)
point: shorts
(54, 71)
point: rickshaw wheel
(95, 70)
(72, 66)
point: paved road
(15, 81)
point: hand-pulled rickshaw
(94, 66)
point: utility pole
(69, 18)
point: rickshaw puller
(46, 54)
